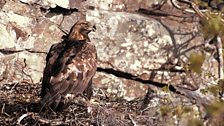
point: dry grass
(19, 105)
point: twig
(174, 3)
(195, 9)
(3, 110)
(25, 65)
(192, 5)
(158, 6)
(97, 116)
(103, 93)
(220, 56)
(22, 117)
(44, 121)
(15, 87)
(132, 120)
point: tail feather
(51, 100)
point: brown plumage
(70, 67)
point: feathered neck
(77, 36)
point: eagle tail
(89, 90)
(51, 100)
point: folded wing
(68, 71)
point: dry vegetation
(19, 106)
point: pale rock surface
(130, 42)
(6, 37)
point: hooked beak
(91, 29)
(94, 28)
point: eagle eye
(86, 24)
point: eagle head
(80, 30)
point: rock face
(144, 45)
(25, 39)
(123, 5)
(67, 4)
(134, 44)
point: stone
(61, 3)
(23, 9)
(78, 4)
(133, 43)
(28, 1)
(118, 87)
(7, 38)
(21, 21)
(69, 21)
(140, 45)
(33, 69)
(123, 5)
(2, 3)
(22, 67)
(46, 33)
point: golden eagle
(70, 67)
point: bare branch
(132, 120)
(25, 65)
(220, 56)
(22, 117)
(174, 3)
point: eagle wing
(52, 55)
(71, 72)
